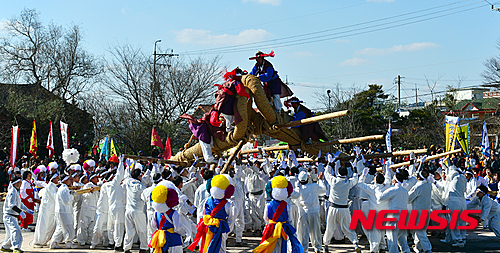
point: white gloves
(195, 157)
(358, 150)
(422, 160)
(365, 171)
(221, 163)
(330, 158)
(23, 215)
(412, 155)
(283, 165)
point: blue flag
(105, 148)
(388, 139)
(485, 143)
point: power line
(319, 32)
(287, 42)
(280, 20)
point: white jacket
(134, 189)
(116, 193)
(64, 200)
(339, 186)
(489, 207)
(309, 197)
(12, 200)
(89, 200)
(102, 201)
(420, 196)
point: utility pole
(154, 86)
(416, 96)
(399, 91)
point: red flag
(50, 142)
(255, 146)
(155, 139)
(33, 141)
(168, 150)
(13, 145)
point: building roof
(480, 104)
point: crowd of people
(318, 200)
(166, 208)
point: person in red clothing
(205, 129)
(227, 95)
(27, 198)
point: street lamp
(330, 110)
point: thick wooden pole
(319, 144)
(384, 155)
(370, 156)
(313, 119)
(152, 159)
(433, 157)
(233, 155)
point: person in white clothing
(135, 218)
(454, 199)
(12, 209)
(471, 188)
(490, 210)
(65, 230)
(420, 199)
(308, 224)
(46, 221)
(238, 200)
(397, 197)
(367, 190)
(116, 197)
(339, 209)
(88, 211)
(146, 197)
(255, 183)
(102, 230)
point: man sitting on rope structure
(309, 132)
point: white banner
(64, 135)
(13, 145)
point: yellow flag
(112, 148)
(462, 136)
(33, 141)
(450, 124)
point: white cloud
(354, 62)
(271, 2)
(381, 1)
(417, 46)
(204, 37)
(301, 54)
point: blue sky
(317, 43)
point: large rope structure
(254, 123)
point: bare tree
(491, 75)
(181, 85)
(47, 55)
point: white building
(469, 93)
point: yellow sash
(209, 221)
(159, 239)
(270, 243)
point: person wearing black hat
(309, 132)
(226, 96)
(269, 77)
